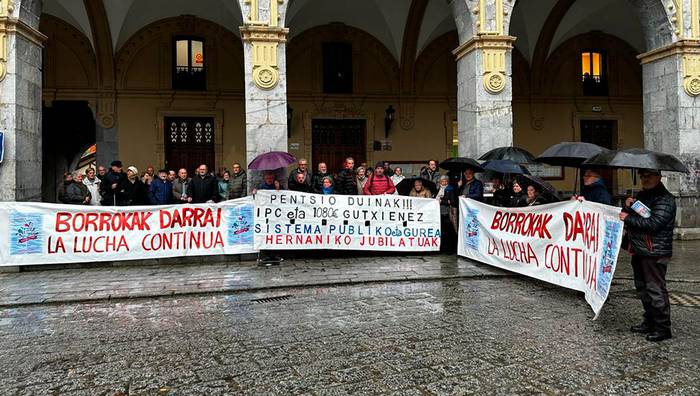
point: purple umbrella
(271, 161)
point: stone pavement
(94, 283)
(496, 336)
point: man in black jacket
(204, 186)
(650, 240)
(347, 178)
(112, 183)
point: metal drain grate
(272, 299)
(685, 299)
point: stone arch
(563, 66)
(219, 43)
(435, 55)
(466, 28)
(309, 43)
(66, 44)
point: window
(593, 74)
(337, 68)
(189, 72)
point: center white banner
(571, 244)
(294, 221)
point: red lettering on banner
(529, 224)
(62, 224)
(584, 225)
(58, 246)
(100, 244)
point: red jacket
(378, 185)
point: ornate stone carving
(493, 52)
(264, 41)
(264, 37)
(7, 7)
(691, 74)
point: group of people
(118, 188)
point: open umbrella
(271, 161)
(546, 189)
(505, 166)
(515, 154)
(636, 158)
(406, 185)
(460, 164)
(570, 154)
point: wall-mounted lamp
(388, 119)
(290, 119)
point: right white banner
(571, 244)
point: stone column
(20, 100)
(671, 84)
(484, 94)
(265, 76)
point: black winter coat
(517, 200)
(106, 192)
(204, 189)
(597, 192)
(132, 194)
(652, 236)
(346, 182)
(317, 181)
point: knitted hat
(133, 169)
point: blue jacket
(474, 190)
(160, 192)
(597, 192)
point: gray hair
(75, 174)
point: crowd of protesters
(116, 187)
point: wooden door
(602, 133)
(189, 142)
(335, 140)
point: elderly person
(132, 191)
(327, 186)
(299, 184)
(76, 193)
(223, 186)
(238, 185)
(269, 182)
(317, 180)
(650, 240)
(182, 187)
(160, 192)
(397, 176)
(446, 197)
(419, 191)
(111, 184)
(92, 182)
(361, 179)
(302, 168)
(204, 186)
(346, 182)
(378, 183)
(594, 189)
(431, 172)
(472, 187)
(500, 193)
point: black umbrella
(515, 154)
(635, 158)
(505, 166)
(570, 154)
(406, 185)
(460, 164)
(545, 188)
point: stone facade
(20, 106)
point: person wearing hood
(238, 185)
(317, 181)
(92, 182)
(594, 189)
(132, 191)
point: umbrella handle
(576, 182)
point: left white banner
(38, 233)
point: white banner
(571, 244)
(292, 220)
(39, 233)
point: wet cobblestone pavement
(475, 336)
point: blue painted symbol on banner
(240, 225)
(471, 229)
(25, 235)
(606, 267)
